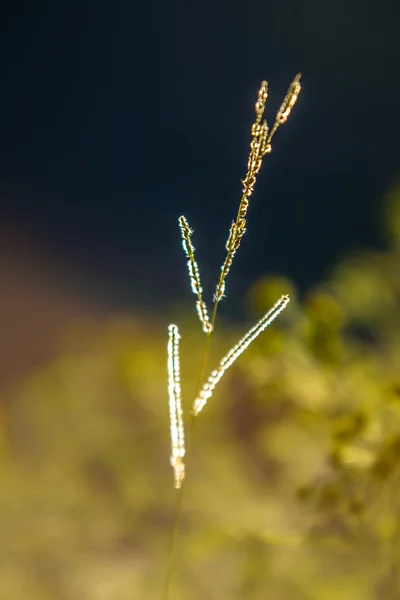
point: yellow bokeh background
(293, 487)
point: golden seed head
(262, 95)
(260, 104)
(289, 101)
(255, 129)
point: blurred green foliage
(293, 486)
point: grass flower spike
(175, 407)
(286, 107)
(290, 100)
(260, 145)
(258, 148)
(194, 274)
(208, 388)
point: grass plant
(260, 145)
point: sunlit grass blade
(175, 407)
(216, 375)
(194, 274)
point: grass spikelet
(258, 148)
(216, 375)
(194, 274)
(289, 101)
(175, 407)
(287, 105)
(231, 246)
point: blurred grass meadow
(293, 491)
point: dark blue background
(118, 117)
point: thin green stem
(177, 515)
